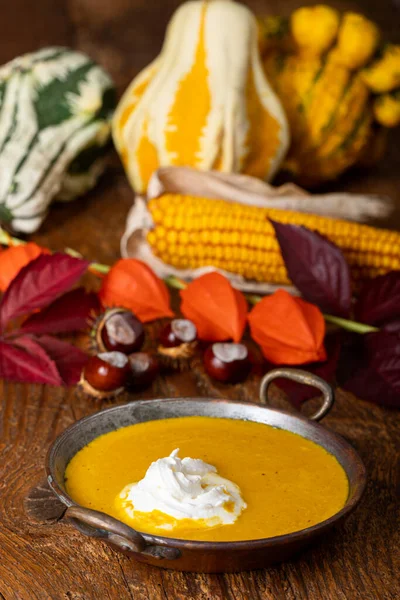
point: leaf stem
(350, 325)
(7, 240)
(179, 284)
(175, 282)
(103, 269)
(100, 268)
(253, 298)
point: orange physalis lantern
(215, 307)
(14, 258)
(289, 330)
(132, 284)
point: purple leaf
(379, 299)
(316, 267)
(70, 312)
(38, 283)
(380, 346)
(69, 359)
(298, 392)
(369, 385)
(26, 361)
(378, 379)
(352, 356)
(391, 326)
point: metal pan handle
(301, 377)
(99, 525)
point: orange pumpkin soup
(287, 482)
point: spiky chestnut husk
(87, 390)
(117, 329)
(178, 358)
(105, 375)
(178, 343)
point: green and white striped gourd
(55, 110)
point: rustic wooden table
(50, 560)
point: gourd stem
(174, 282)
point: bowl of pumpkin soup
(207, 485)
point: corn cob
(191, 232)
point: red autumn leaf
(132, 284)
(379, 299)
(378, 377)
(68, 313)
(215, 307)
(69, 359)
(38, 283)
(316, 267)
(289, 330)
(13, 259)
(298, 392)
(27, 362)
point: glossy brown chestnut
(227, 362)
(178, 332)
(119, 330)
(144, 369)
(107, 372)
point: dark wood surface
(50, 560)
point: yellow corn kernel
(172, 236)
(151, 238)
(255, 254)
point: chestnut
(144, 369)
(227, 362)
(177, 332)
(178, 342)
(105, 374)
(119, 330)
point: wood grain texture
(52, 560)
(41, 560)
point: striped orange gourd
(204, 102)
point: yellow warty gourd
(384, 74)
(193, 232)
(326, 20)
(325, 68)
(387, 109)
(205, 101)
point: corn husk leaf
(233, 187)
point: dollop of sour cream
(186, 488)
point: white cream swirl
(186, 488)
